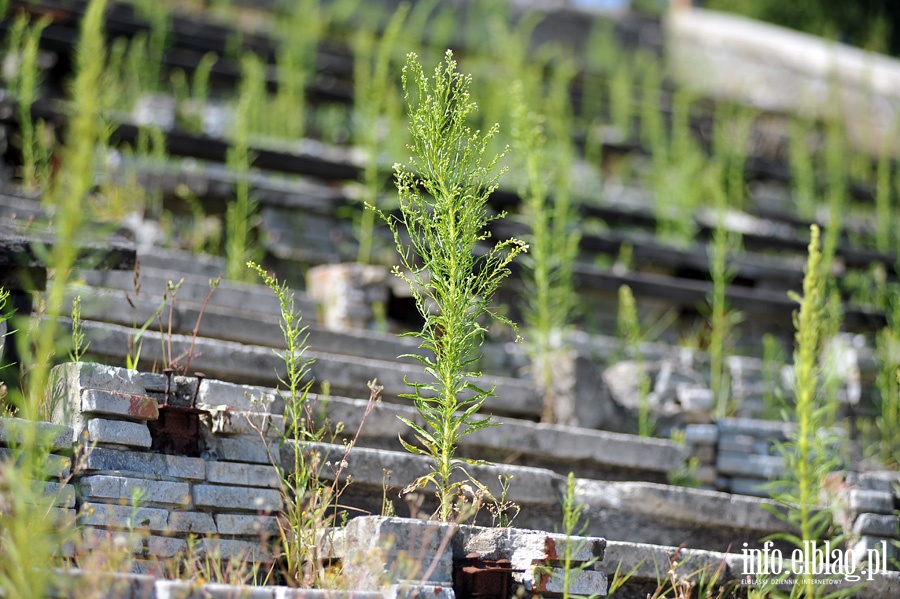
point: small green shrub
(443, 216)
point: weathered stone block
(53, 466)
(706, 475)
(247, 475)
(229, 422)
(237, 498)
(165, 547)
(877, 525)
(417, 591)
(61, 495)
(215, 590)
(232, 549)
(109, 403)
(68, 380)
(244, 525)
(706, 454)
(63, 517)
(879, 481)
(749, 486)
(104, 487)
(528, 546)
(240, 398)
(738, 444)
(179, 589)
(877, 552)
(380, 550)
(199, 523)
(536, 579)
(94, 538)
(707, 434)
(246, 448)
(15, 431)
(764, 429)
(123, 516)
(91, 375)
(873, 502)
(118, 432)
(345, 293)
(157, 465)
(750, 465)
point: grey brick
(738, 444)
(63, 517)
(165, 547)
(873, 502)
(229, 422)
(109, 403)
(706, 475)
(151, 464)
(235, 549)
(61, 495)
(701, 434)
(241, 398)
(764, 429)
(123, 516)
(415, 591)
(215, 590)
(876, 525)
(104, 539)
(68, 380)
(750, 465)
(90, 375)
(54, 466)
(243, 524)
(247, 475)
(118, 432)
(237, 498)
(880, 481)
(376, 546)
(749, 486)
(586, 582)
(706, 454)
(149, 492)
(199, 523)
(878, 548)
(15, 431)
(245, 448)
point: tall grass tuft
(443, 219)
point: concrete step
(254, 364)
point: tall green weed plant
(30, 533)
(25, 84)
(241, 213)
(442, 223)
(373, 112)
(808, 454)
(553, 240)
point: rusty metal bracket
(477, 578)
